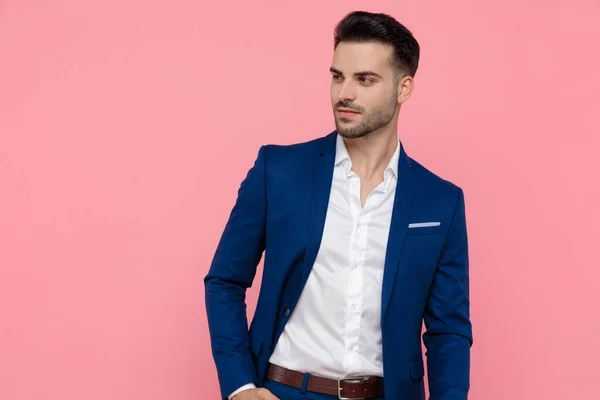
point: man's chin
(351, 133)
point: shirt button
(286, 312)
(353, 306)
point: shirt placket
(358, 250)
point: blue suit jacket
(281, 209)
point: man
(362, 244)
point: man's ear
(405, 88)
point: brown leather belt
(361, 387)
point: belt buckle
(353, 378)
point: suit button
(286, 312)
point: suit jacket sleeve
(448, 335)
(232, 271)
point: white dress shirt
(334, 331)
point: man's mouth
(347, 112)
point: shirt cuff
(245, 387)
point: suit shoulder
(294, 152)
(432, 182)
(294, 147)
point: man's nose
(347, 92)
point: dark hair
(362, 27)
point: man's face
(364, 88)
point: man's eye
(366, 80)
(337, 77)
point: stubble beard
(372, 121)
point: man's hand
(255, 394)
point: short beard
(374, 120)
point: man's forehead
(352, 57)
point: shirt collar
(342, 157)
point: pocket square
(423, 224)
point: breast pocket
(421, 230)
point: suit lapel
(403, 203)
(322, 176)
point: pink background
(127, 126)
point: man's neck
(371, 154)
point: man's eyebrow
(357, 74)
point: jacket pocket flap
(417, 369)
